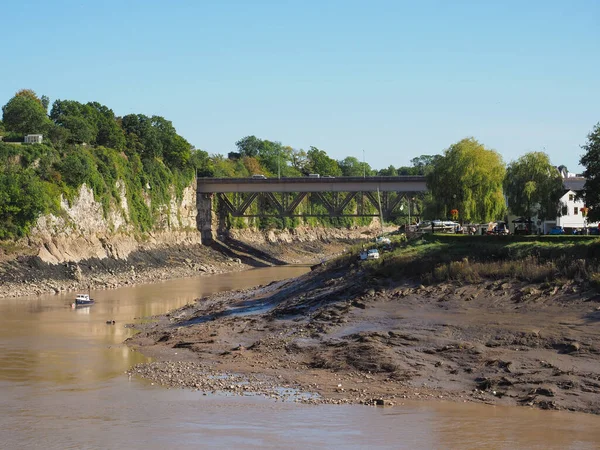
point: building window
(575, 211)
(571, 198)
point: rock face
(83, 231)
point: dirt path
(355, 340)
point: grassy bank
(435, 258)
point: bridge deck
(308, 184)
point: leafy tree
(352, 167)
(75, 169)
(299, 161)
(45, 102)
(468, 177)
(249, 146)
(23, 198)
(30, 94)
(77, 118)
(142, 137)
(533, 186)
(252, 165)
(58, 135)
(175, 149)
(110, 134)
(78, 128)
(388, 172)
(321, 163)
(202, 163)
(591, 161)
(25, 114)
(424, 163)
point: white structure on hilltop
(33, 139)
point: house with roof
(573, 214)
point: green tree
(299, 161)
(533, 186)
(142, 137)
(110, 134)
(78, 119)
(424, 163)
(321, 163)
(591, 161)
(352, 167)
(25, 114)
(388, 172)
(23, 198)
(45, 102)
(468, 177)
(249, 146)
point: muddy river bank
(341, 338)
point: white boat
(83, 299)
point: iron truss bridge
(273, 197)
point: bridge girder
(386, 204)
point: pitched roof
(574, 183)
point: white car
(373, 253)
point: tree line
(88, 143)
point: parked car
(259, 176)
(383, 240)
(593, 230)
(522, 229)
(373, 253)
(501, 229)
(557, 231)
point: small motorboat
(83, 300)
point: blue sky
(396, 79)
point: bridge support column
(204, 218)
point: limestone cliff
(82, 231)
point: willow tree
(468, 178)
(533, 186)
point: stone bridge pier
(204, 220)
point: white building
(33, 139)
(571, 218)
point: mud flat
(339, 335)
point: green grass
(435, 258)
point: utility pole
(279, 163)
(364, 166)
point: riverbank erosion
(83, 262)
(423, 322)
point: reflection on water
(63, 386)
(43, 338)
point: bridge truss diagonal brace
(328, 206)
(373, 200)
(226, 202)
(345, 202)
(246, 204)
(273, 200)
(289, 211)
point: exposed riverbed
(63, 384)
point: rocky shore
(337, 336)
(30, 269)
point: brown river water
(63, 386)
